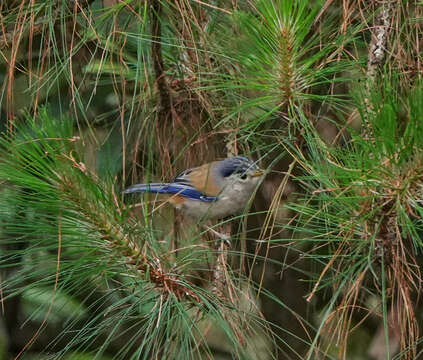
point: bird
(215, 190)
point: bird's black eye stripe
(243, 176)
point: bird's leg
(222, 283)
(225, 237)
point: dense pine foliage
(327, 96)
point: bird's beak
(257, 173)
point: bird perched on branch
(211, 191)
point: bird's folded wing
(200, 179)
(172, 188)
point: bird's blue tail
(153, 188)
(172, 188)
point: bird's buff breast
(231, 202)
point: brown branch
(379, 39)
(377, 51)
(158, 63)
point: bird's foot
(224, 237)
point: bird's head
(240, 170)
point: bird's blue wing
(189, 192)
(177, 188)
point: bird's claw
(224, 237)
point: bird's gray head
(239, 170)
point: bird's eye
(243, 176)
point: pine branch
(376, 55)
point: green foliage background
(98, 95)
